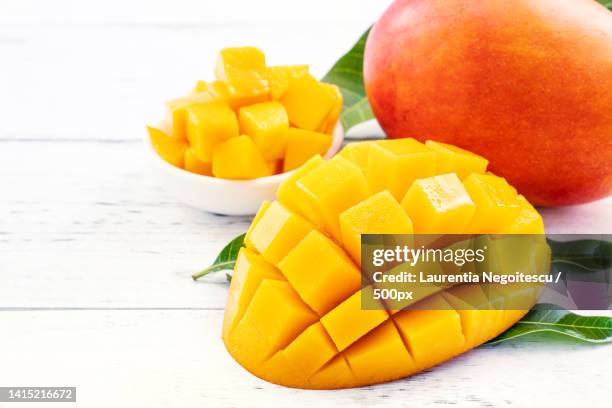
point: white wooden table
(95, 258)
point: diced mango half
(394, 164)
(329, 189)
(378, 214)
(299, 313)
(195, 165)
(281, 77)
(453, 159)
(308, 102)
(335, 277)
(267, 124)
(209, 124)
(238, 159)
(302, 145)
(168, 148)
(438, 205)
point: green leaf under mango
(588, 329)
(226, 260)
(347, 74)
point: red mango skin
(525, 83)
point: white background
(95, 257)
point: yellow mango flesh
(209, 124)
(378, 214)
(267, 124)
(301, 145)
(308, 102)
(330, 283)
(238, 159)
(243, 69)
(295, 315)
(168, 148)
(281, 77)
(453, 159)
(330, 189)
(439, 205)
(394, 166)
(195, 165)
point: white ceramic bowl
(220, 196)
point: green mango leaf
(588, 329)
(590, 254)
(226, 259)
(347, 74)
(606, 3)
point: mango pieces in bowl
(253, 121)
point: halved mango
(341, 334)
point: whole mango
(525, 83)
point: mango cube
(333, 280)
(287, 192)
(439, 205)
(281, 77)
(195, 165)
(394, 164)
(453, 159)
(273, 319)
(276, 232)
(330, 121)
(168, 148)
(529, 221)
(238, 159)
(243, 69)
(433, 332)
(380, 356)
(379, 214)
(496, 203)
(308, 102)
(302, 145)
(348, 321)
(209, 124)
(267, 124)
(329, 189)
(357, 153)
(241, 59)
(311, 350)
(260, 213)
(251, 269)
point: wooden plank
(177, 359)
